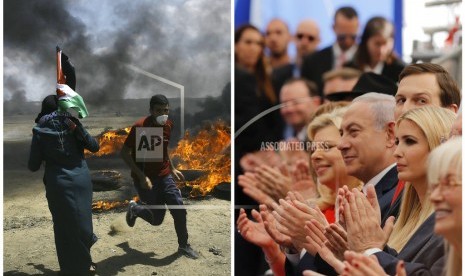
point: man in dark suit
(368, 144)
(345, 27)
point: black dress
(68, 189)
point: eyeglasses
(445, 185)
(342, 37)
(310, 38)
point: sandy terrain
(143, 250)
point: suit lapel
(387, 183)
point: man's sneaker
(188, 252)
(130, 216)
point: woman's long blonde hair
(327, 196)
(435, 123)
(441, 159)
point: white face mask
(162, 119)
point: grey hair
(382, 106)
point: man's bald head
(307, 37)
(277, 37)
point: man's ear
(390, 135)
(453, 107)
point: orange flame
(206, 151)
(107, 205)
(110, 141)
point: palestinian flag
(67, 98)
(66, 84)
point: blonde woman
(330, 169)
(331, 172)
(327, 161)
(418, 132)
(445, 191)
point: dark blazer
(423, 254)
(394, 209)
(306, 263)
(385, 190)
(280, 75)
(390, 71)
(316, 64)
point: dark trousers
(164, 191)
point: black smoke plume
(187, 43)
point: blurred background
(425, 30)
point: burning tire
(191, 175)
(222, 191)
(105, 180)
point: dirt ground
(29, 247)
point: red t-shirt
(150, 169)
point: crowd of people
(376, 187)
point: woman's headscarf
(49, 105)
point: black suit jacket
(390, 71)
(306, 263)
(385, 190)
(316, 64)
(280, 75)
(423, 254)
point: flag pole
(60, 76)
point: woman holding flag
(60, 139)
